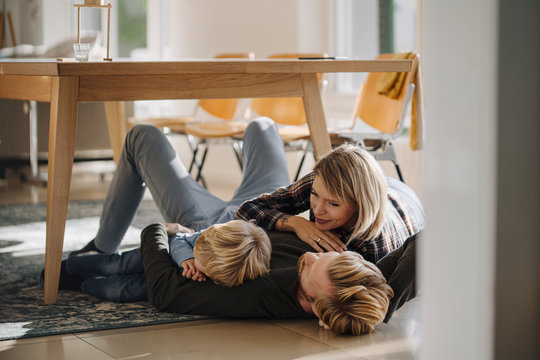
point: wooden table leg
(116, 123)
(62, 131)
(315, 115)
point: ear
(314, 310)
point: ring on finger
(318, 240)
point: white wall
(205, 28)
(480, 258)
(457, 256)
(57, 23)
(313, 26)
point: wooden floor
(214, 339)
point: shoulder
(302, 185)
(406, 204)
(286, 249)
(306, 180)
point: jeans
(114, 277)
(149, 160)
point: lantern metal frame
(94, 4)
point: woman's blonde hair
(233, 252)
(361, 297)
(353, 175)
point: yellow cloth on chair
(391, 83)
(415, 132)
(416, 136)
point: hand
(191, 272)
(173, 228)
(306, 230)
(323, 325)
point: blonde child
(228, 253)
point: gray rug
(22, 247)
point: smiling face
(313, 277)
(330, 213)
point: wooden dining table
(66, 83)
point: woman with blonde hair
(351, 204)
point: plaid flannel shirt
(294, 199)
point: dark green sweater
(270, 296)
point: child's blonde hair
(234, 251)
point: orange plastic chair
(384, 116)
(200, 127)
(289, 114)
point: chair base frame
(384, 151)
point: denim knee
(141, 141)
(126, 263)
(258, 125)
(143, 133)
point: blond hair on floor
(361, 296)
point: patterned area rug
(22, 247)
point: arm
(399, 269)
(279, 211)
(190, 270)
(267, 209)
(270, 296)
(404, 218)
(174, 228)
(181, 247)
(181, 251)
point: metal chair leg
(300, 166)
(307, 148)
(195, 150)
(237, 148)
(387, 153)
(398, 170)
(200, 166)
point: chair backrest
(224, 108)
(380, 111)
(285, 111)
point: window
(356, 31)
(132, 24)
(130, 32)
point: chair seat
(174, 124)
(215, 129)
(371, 140)
(369, 144)
(293, 133)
